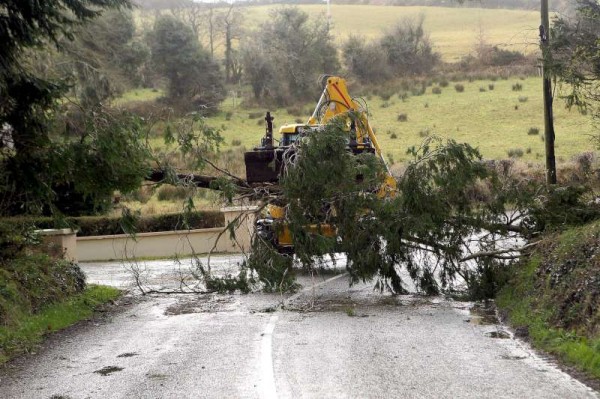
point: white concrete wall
(171, 243)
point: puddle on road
(202, 304)
(513, 357)
(483, 315)
(104, 371)
(128, 354)
(157, 376)
(498, 334)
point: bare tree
(192, 14)
(230, 24)
(201, 18)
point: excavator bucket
(261, 163)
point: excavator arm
(335, 100)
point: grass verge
(29, 330)
(541, 300)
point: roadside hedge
(30, 280)
(103, 225)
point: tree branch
(498, 253)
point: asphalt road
(328, 341)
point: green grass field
(495, 120)
(453, 31)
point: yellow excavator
(267, 161)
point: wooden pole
(547, 87)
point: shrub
(228, 115)
(528, 150)
(403, 96)
(533, 131)
(517, 87)
(444, 83)
(143, 194)
(523, 99)
(254, 115)
(418, 90)
(296, 110)
(459, 88)
(390, 158)
(393, 136)
(501, 57)
(408, 49)
(584, 162)
(236, 142)
(385, 104)
(104, 225)
(436, 90)
(482, 89)
(402, 117)
(515, 153)
(424, 132)
(491, 86)
(385, 96)
(168, 192)
(366, 60)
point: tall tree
(231, 25)
(297, 50)
(36, 170)
(105, 57)
(195, 82)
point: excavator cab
(265, 163)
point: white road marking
(269, 391)
(268, 388)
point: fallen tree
(453, 219)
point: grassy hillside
(495, 120)
(554, 297)
(453, 31)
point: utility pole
(548, 115)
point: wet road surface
(327, 341)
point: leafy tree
(194, 80)
(37, 169)
(105, 57)
(575, 55)
(408, 48)
(295, 49)
(257, 69)
(365, 60)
